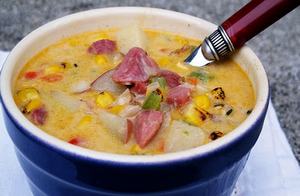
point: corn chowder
(127, 91)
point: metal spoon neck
(217, 45)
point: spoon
(250, 20)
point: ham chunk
(172, 78)
(39, 116)
(136, 66)
(146, 125)
(103, 46)
(179, 96)
(139, 88)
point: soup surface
(127, 91)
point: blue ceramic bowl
(54, 167)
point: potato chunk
(183, 136)
(129, 37)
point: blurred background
(278, 47)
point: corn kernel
(116, 109)
(192, 115)
(33, 104)
(176, 115)
(135, 149)
(53, 69)
(164, 61)
(202, 102)
(104, 100)
(102, 36)
(26, 95)
(85, 120)
(101, 59)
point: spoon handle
(242, 26)
(254, 17)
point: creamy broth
(58, 80)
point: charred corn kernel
(66, 65)
(33, 104)
(192, 115)
(101, 59)
(164, 61)
(135, 149)
(53, 69)
(26, 95)
(202, 102)
(104, 100)
(116, 109)
(85, 120)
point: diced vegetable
(123, 99)
(218, 93)
(23, 97)
(117, 58)
(66, 65)
(66, 100)
(161, 81)
(101, 59)
(129, 131)
(129, 37)
(167, 121)
(77, 141)
(215, 135)
(105, 83)
(164, 61)
(30, 75)
(153, 100)
(201, 75)
(183, 136)
(228, 112)
(202, 101)
(192, 115)
(104, 99)
(135, 150)
(80, 86)
(152, 87)
(32, 105)
(192, 80)
(130, 110)
(249, 111)
(115, 124)
(53, 69)
(116, 109)
(84, 121)
(52, 77)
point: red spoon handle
(254, 18)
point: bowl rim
(68, 149)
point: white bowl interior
(117, 17)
